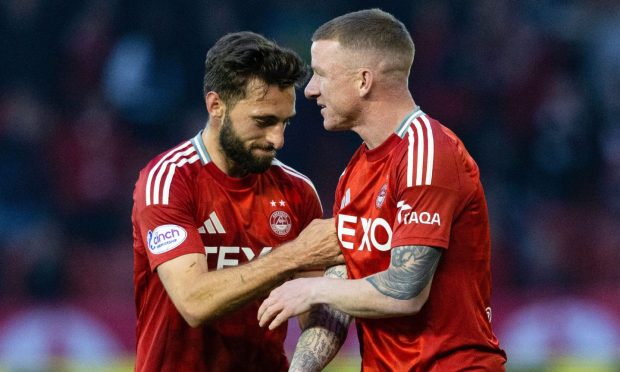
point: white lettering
(423, 218)
(366, 226)
(383, 223)
(413, 217)
(226, 254)
(342, 219)
(407, 216)
(369, 233)
(249, 253)
(221, 257)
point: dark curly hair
(237, 58)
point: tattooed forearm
(411, 269)
(321, 340)
(323, 335)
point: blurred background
(91, 90)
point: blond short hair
(371, 30)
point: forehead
(329, 54)
(263, 99)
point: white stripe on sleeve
(168, 182)
(410, 157)
(420, 160)
(162, 170)
(156, 167)
(431, 151)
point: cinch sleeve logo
(408, 216)
(164, 238)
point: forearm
(201, 295)
(402, 289)
(323, 333)
(319, 342)
(361, 299)
(223, 291)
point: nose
(275, 135)
(312, 88)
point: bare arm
(402, 289)
(201, 295)
(323, 334)
(411, 269)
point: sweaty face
(253, 129)
(333, 85)
(241, 153)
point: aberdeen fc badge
(280, 223)
(381, 196)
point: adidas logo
(212, 225)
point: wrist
(319, 290)
(287, 257)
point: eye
(262, 123)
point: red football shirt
(184, 204)
(421, 187)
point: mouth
(271, 152)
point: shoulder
(427, 152)
(288, 174)
(165, 172)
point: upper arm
(180, 274)
(409, 275)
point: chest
(364, 217)
(237, 226)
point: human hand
(288, 300)
(318, 245)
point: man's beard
(243, 159)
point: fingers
(270, 310)
(262, 309)
(275, 310)
(266, 315)
(279, 319)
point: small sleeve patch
(164, 238)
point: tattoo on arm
(324, 333)
(338, 271)
(411, 269)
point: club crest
(280, 223)
(381, 197)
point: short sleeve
(426, 181)
(166, 230)
(167, 233)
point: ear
(364, 81)
(215, 106)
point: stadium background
(91, 90)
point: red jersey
(184, 204)
(421, 187)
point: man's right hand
(318, 245)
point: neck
(381, 119)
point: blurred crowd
(91, 90)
